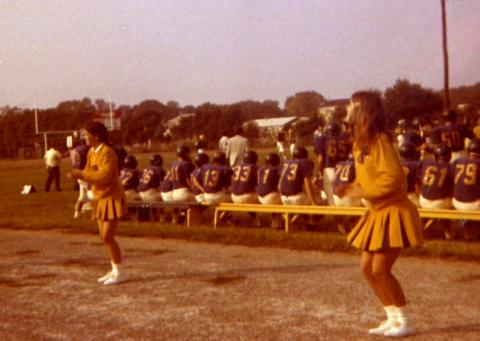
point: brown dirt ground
(179, 290)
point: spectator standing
(237, 146)
(223, 143)
(75, 159)
(52, 162)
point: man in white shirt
(237, 146)
(52, 162)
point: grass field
(54, 210)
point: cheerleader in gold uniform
(110, 205)
(392, 222)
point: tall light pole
(446, 91)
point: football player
(435, 179)
(296, 179)
(180, 170)
(331, 148)
(466, 194)
(452, 134)
(152, 177)
(130, 177)
(216, 177)
(344, 175)
(244, 181)
(196, 180)
(267, 186)
(409, 156)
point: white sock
(391, 312)
(402, 313)
(115, 269)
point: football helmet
(272, 159)
(474, 147)
(408, 151)
(183, 151)
(201, 159)
(450, 115)
(332, 129)
(219, 158)
(130, 162)
(156, 160)
(442, 152)
(250, 157)
(300, 153)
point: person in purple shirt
(216, 179)
(267, 186)
(130, 177)
(180, 170)
(295, 179)
(409, 155)
(196, 176)
(152, 177)
(466, 193)
(435, 178)
(452, 134)
(244, 183)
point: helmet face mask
(156, 160)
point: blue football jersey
(129, 178)
(215, 178)
(152, 177)
(268, 178)
(244, 179)
(452, 135)
(344, 174)
(167, 183)
(293, 175)
(467, 180)
(197, 175)
(410, 169)
(181, 171)
(436, 179)
(333, 148)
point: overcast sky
(223, 51)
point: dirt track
(192, 291)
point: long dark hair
(367, 118)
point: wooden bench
(193, 209)
(289, 210)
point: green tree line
(148, 119)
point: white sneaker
(382, 328)
(399, 330)
(114, 279)
(105, 277)
(76, 215)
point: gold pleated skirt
(109, 208)
(396, 225)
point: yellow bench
(289, 210)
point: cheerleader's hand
(350, 191)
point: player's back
(244, 179)
(294, 172)
(152, 177)
(268, 178)
(436, 179)
(129, 177)
(467, 179)
(453, 135)
(344, 173)
(410, 168)
(215, 178)
(181, 171)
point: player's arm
(309, 189)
